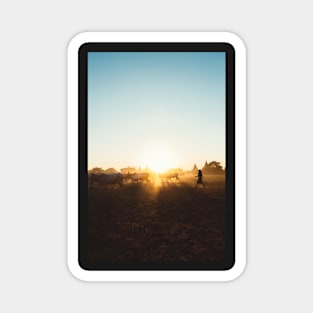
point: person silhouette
(199, 181)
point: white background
(33, 273)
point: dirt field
(153, 222)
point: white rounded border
(240, 157)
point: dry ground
(153, 222)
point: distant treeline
(212, 168)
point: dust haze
(136, 215)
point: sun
(159, 159)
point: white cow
(105, 179)
(166, 177)
(140, 177)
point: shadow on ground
(144, 222)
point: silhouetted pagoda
(195, 169)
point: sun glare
(159, 159)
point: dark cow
(104, 179)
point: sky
(156, 109)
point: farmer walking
(199, 181)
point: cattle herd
(119, 179)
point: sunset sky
(156, 109)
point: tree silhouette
(213, 168)
(96, 170)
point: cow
(106, 179)
(167, 177)
(140, 177)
